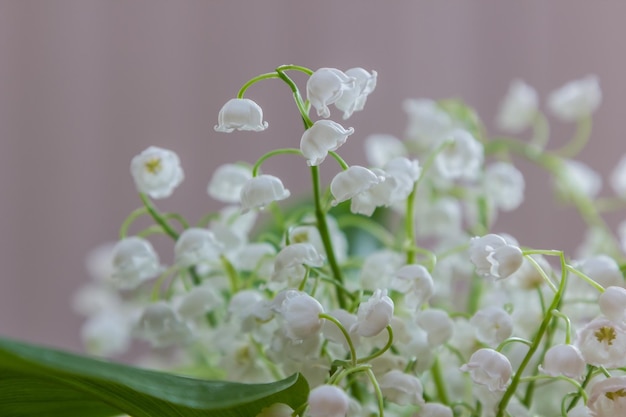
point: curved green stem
(380, 351)
(585, 278)
(344, 166)
(158, 217)
(353, 359)
(300, 68)
(379, 393)
(541, 131)
(513, 340)
(255, 80)
(568, 325)
(283, 151)
(578, 141)
(368, 225)
(541, 272)
(440, 385)
(134, 215)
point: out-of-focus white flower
(381, 194)
(259, 191)
(608, 397)
(434, 410)
(162, 327)
(380, 149)
(322, 137)
(311, 234)
(250, 308)
(518, 108)
(428, 124)
(156, 172)
(134, 261)
(227, 182)
(332, 333)
(576, 99)
(353, 99)
(602, 269)
(443, 217)
(325, 87)
(401, 388)
(618, 178)
(106, 333)
(579, 411)
(198, 301)
(288, 264)
(527, 276)
(99, 262)
(576, 178)
(415, 282)
(494, 257)
(240, 114)
(504, 185)
(405, 172)
(196, 245)
(374, 314)
(276, 410)
(437, 324)
(613, 303)
(564, 360)
(493, 325)
(462, 159)
(378, 268)
(328, 401)
(351, 182)
(489, 368)
(92, 298)
(603, 343)
(301, 313)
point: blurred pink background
(86, 85)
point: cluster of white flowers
(430, 314)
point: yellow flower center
(605, 334)
(616, 394)
(153, 165)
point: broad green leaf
(37, 381)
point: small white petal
(259, 191)
(156, 172)
(240, 114)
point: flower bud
(196, 245)
(160, 325)
(494, 257)
(374, 314)
(576, 99)
(351, 182)
(156, 172)
(564, 360)
(322, 137)
(462, 159)
(415, 282)
(519, 107)
(493, 325)
(227, 182)
(262, 190)
(613, 303)
(437, 324)
(325, 86)
(288, 264)
(328, 401)
(380, 149)
(240, 114)
(134, 261)
(504, 185)
(490, 368)
(301, 313)
(401, 388)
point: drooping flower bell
(564, 360)
(352, 181)
(494, 257)
(301, 313)
(608, 397)
(322, 137)
(156, 172)
(196, 245)
(227, 182)
(328, 401)
(240, 114)
(259, 191)
(462, 158)
(401, 388)
(416, 283)
(490, 368)
(493, 325)
(325, 87)
(374, 314)
(134, 261)
(354, 99)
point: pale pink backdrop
(85, 85)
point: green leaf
(37, 381)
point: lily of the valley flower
(434, 410)
(613, 303)
(462, 159)
(353, 99)
(428, 124)
(288, 264)
(157, 172)
(564, 360)
(437, 324)
(134, 261)
(240, 114)
(608, 397)
(490, 368)
(301, 313)
(325, 87)
(162, 327)
(576, 99)
(519, 107)
(227, 182)
(380, 149)
(374, 314)
(196, 245)
(494, 257)
(493, 325)
(259, 191)
(351, 182)
(322, 137)
(416, 283)
(401, 388)
(328, 401)
(602, 342)
(504, 185)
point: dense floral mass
(390, 291)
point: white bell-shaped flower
(162, 327)
(134, 261)
(156, 172)
(227, 182)
(328, 401)
(618, 178)
(428, 124)
(602, 343)
(240, 114)
(489, 368)
(288, 264)
(351, 182)
(613, 303)
(462, 159)
(504, 185)
(196, 245)
(443, 217)
(381, 194)
(564, 360)
(437, 324)
(301, 313)
(380, 149)
(494, 257)
(493, 325)
(276, 410)
(353, 99)
(106, 333)
(608, 397)
(378, 269)
(602, 269)
(416, 283)
(434, 410)
(406, 172)
(198, 302)
(325, 87)
(259, 191)
(401, 388)
(576, 99)
(576, 178)
(518, 108)
(250, 308)
(374, 315)
(322, 137)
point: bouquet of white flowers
(385, 294)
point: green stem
(379, 393)
(588, 377)
(254, 80)
(300, 68)
(586, 278)
(541, 272)
(568, 325)
(541, 131)
(344, 166)
(158, 218)
(345, 333)
(440, 385)
(130, 219)
(578, 141)
(380, 351)
(512, 340)
(283, 151)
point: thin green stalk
(134, 215)
(440, 385)
(283, 151)
(158, 218)
(583, 385)
(578, 141)
(379, 393)
(255, 80)
(380, 351)
(353, 358)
